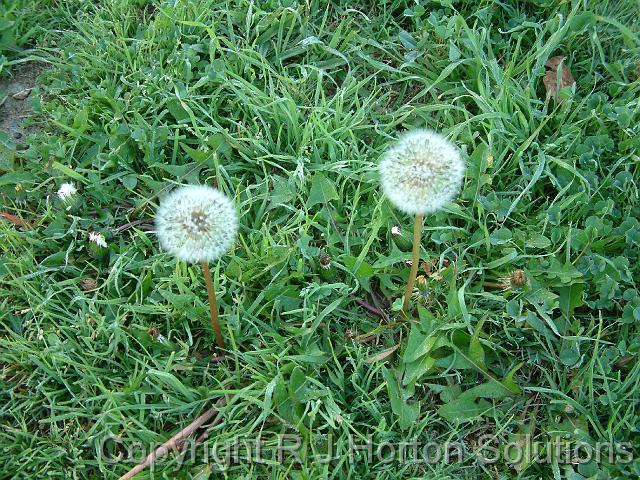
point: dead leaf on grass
(551, 77)
(382, 355)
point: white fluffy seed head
(67, 190)
(98, 239)
(422, 172)
(196, 223)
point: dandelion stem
(415, 260)
(213, 305)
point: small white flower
(395, 230)
(98, 239)
(67, 190)
(196, 223)
(422, 172)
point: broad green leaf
(476, 352)
(537, 324)
(363, 273)
(453, 303)
(508, 381)
(414, 370)
(500, 236)
(570, 298)
(68, 171)
(428, 322)
(407, 413)
(180, 301)
(196, 155)
(463, 409)
(172, 382)
(569, 356)
(565, 273)
(490, 389)
(129, 181)
(536, 240)
(523, 456)
(513, 253)
(322, 191)
(177, 110)
(297, 382)
(418, 344)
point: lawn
(518, 357)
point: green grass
(287, 107)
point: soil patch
(15, 101)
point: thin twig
(176, 440)
(204, 435)
(17, 220)
(370, 308)
(333, 222)
(126, 226)
(493, 285)
(217, 359)
(379, 305)
(216, 421)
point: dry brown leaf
(16, 220)
(22, 94)
(551, 76)
(382, 355)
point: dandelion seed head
(98, 239)
(518, 278)
(422, 172)
(66, 190)
(196, 223)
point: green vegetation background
(286, 106)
